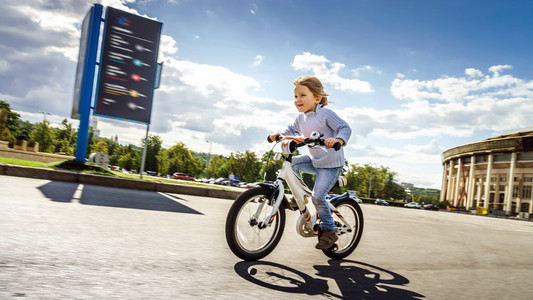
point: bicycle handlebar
(300, 142)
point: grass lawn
(94, 170)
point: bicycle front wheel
(244, 234)
(349, 237)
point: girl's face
(304, 100)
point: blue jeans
(324, 182)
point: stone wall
(30, 155)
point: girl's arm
(342, 129)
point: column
(509, 197)
(458, 183)
(444, 183)
(487, 182)
(449, 185)
(471, 183)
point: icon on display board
(134, 106)
(137, 78)
(139, 63)
(123, 21)
(141, 48)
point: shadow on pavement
(113, 197)
(356, 280)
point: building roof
(527, 131)
(518, 140)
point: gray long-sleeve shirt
(327, 122)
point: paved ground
(62, 240)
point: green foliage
(373, 182)
(65, 138)
(179, 159)
(129, 158)
(245, 165)
(44, 135)
(425, 195)
(269, 166)
(154, 147)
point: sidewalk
(59, 175)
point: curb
(60, 175)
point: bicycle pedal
(333, 248)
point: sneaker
(326, 240)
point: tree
(129, 158)
(245, 165)
(65, 138)
(217, 167)
(100, 146)
(154, 146)
(44, 135)
(5, 133)
(270, 166)
(179, 159)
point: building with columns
(495, 174)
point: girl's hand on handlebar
(333, 143)
(274, 137)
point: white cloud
(258, 59)
(328, 73)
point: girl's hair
(315, 86)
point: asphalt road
(62, 240)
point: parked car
(381, 202)
(182, 176)
(252, 185)
(431, 207)
(220, 180)
(413, 205)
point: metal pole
(144, 151)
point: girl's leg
(302, 164)
(324, 182)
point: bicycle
(256, 220)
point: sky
(412, 78)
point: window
(528, 179)
(516, 189)
(503, 179)
(526, 192)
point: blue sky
(412, 78)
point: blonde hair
(315, 86)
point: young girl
(310, 100)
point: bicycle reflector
(342, 181)
(288, 146)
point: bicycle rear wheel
(348, 237)
(243, 233)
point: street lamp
(44, 114)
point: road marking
(77, 194)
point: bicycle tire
(347, 242)
(246, 240)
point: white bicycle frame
(299, 190)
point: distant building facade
(495, 174)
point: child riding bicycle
(310, 100)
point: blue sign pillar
(85, 77)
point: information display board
(127, 67)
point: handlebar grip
(278, 138)
(337, 146)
